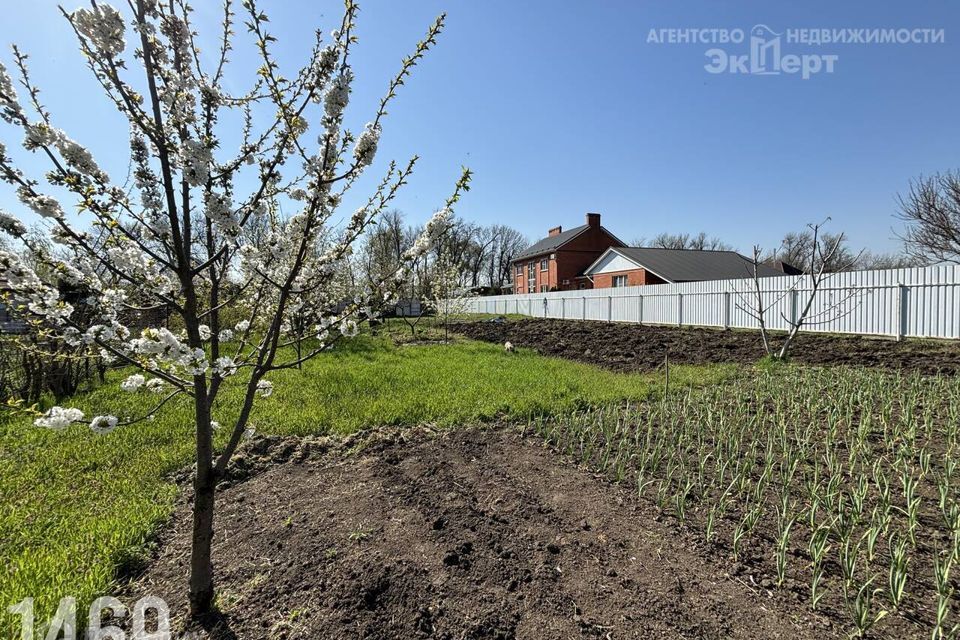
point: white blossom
(38, 135)
(242, 326)
(9, 106)
(45, 206)
(226, 335)
(196, 159)
(219, 210)
(11, 226)
(323, 67)
(103, 424)
(349, 328)
(224, 366)
(59, 418)
(205, 332)
(264, 388)
(103, 26)
(195, 363)
(79, 158)
(338, 95)
(156, 385)
(133, 383)
(366, 146)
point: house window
(620, 281)
(544, 288)
(544, 264)
(519, 270)
(531, 277)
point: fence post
(679, 309)
(563, 308)
(609, 308)
(640, 310)
(584, 298)
(726, 310)
(901, 311)
(793, 308)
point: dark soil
(643, 347)
(477, 533)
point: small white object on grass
(508, 346)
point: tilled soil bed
(644, 347)
(476, 533)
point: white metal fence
(919, 302)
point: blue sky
(563, 108)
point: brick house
(557, 262)
(636, 266)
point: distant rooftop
(551, 243)
(691, 265)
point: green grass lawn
(74, 507)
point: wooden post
(609, 308)
(640, 310)
(679, 309)
(563, 308)
(584, 300)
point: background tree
(385, 245)
(484, 254)
(202, 230)
(931, 211)
(797, 246)
(507, 244)
(698, 242)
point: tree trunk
(204, 485)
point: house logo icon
(764, 50)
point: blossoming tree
(179, 235)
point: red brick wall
(570, 261)
(635, 278)
(548, 277)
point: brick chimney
(593, 220)
(555, 231)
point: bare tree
(385, 245)
(760, 315)
(931, 211)
(481, 241)
(796, 249)
(822, 254)
(508, 243)
(871, 260)
(697, 242)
